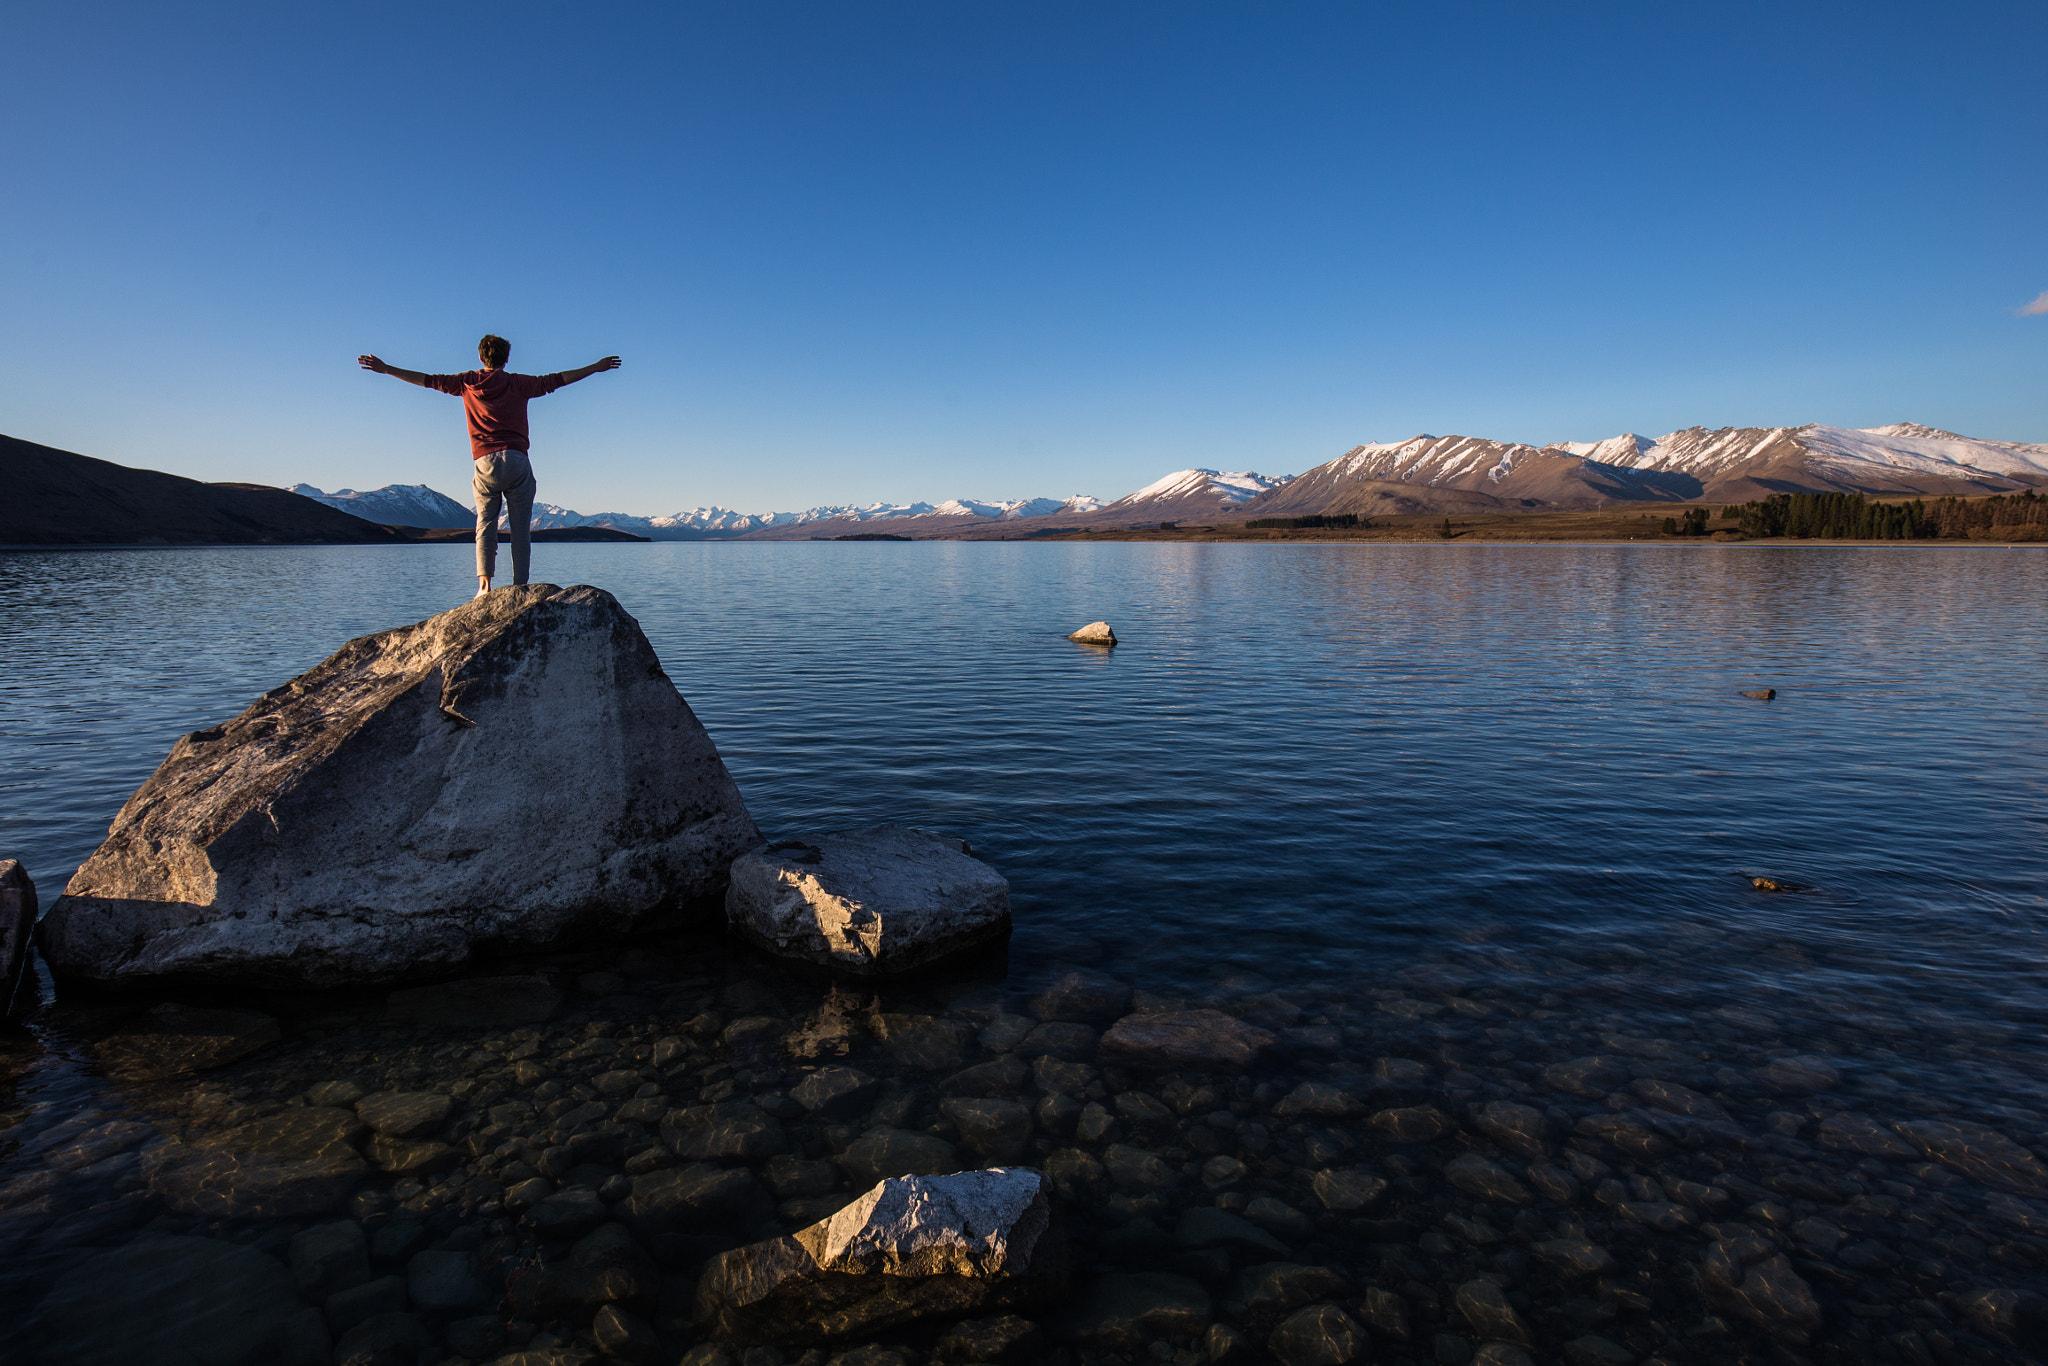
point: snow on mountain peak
(1227, 487)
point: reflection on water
(1467, 832)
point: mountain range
(1424, 474)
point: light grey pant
(503, 476)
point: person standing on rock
(495, 401)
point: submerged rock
(17, 927)
(515, 771)
(913, 1247)
(170, 1300)
(173, 1041)
(868, 903)
(1203, 1039)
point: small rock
(1768, 1292)
(625, 1336)
(1094, 633)
(1387, 1312)
(731, 1131)
(1799, 1075)
(1281, 1287)
(173, 1041)
(833, 1092)
(1095, 1124)
(405, 1114)
(1592, 1350)
(330, 1257)
(1679, 1100)
(688, 1199)
(1981, 1153)
(1135, 1169)
(1412, 1124)
(1082, 998)
(1552, 1183)
(394, 1338)
(883, 1153)
(1004, 1076)
(998, 1131)
(1223, 1344)
(442, 1281)
(1129, 1311)
(873, 902)
(1518, 1128)
(1006, 1339)
(1318, 1099)
(1069, 1041)
(567, 1213)
(1485, 1308)
(1501, 1354)
(214, 1184)
(1222, 1172)
(1482, 1177)
(1206, 1040)
(1320, 1335)
(1576, 1256)
(1759, 695)
(1346, 1191)
(1279, 1218)
(1203, 1226)
(347, 1308)
(1860, 1134)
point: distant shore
(1624, 525)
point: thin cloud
(2036, 308)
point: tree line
(1853, 517)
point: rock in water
(868, 903)
(17, 927)
(1095, 633)
(516, 771)
(913, 1247)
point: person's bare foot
(483, 586)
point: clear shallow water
(1489, 810)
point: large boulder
(514, 772)
(913, 1247)
(868, 903)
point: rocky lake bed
(1441, 1166)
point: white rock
(518, 770)
(868, 903)
(1095, 633)
(913, 1247)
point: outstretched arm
(409, 376)
(608, 363)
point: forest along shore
(1834, 518)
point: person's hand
(608, 363)
(373, 364)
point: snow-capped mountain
(1463, 473)
(395, 505)
(699, 523)
(1217, 489)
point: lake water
(1464, 826)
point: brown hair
(493, 351)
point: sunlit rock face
(876, 902)
(911, 1248)
(516, 771)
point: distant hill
(396, 505)
(55, 497)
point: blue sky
(856, 251)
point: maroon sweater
(495, 402)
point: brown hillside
(60, 498)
